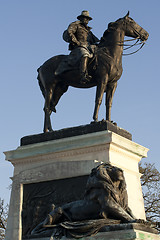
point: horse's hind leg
(47, 120)
(109, 98)
(59, 90)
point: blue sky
(31, 32)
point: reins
(127, 54)
(130, 46)
(126, 45)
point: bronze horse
(105, 69)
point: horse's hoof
(48, 130)
(51, 130)
(45, 130)
(114, 123)
(53, 109)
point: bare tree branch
(3, 218)
(150, 182)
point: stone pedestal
(73, 157)
(131, 234)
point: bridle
(128, 46)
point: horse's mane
(112, 26)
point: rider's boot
(85, 78)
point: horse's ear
(127, 14)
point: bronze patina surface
(105, 202)
(104, 69)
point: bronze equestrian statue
(104, 69)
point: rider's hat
(84, 14)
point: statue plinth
(42, 167)
(76, 131)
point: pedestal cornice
(91, 142)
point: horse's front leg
(109, 98)
(47, 111)
(99, 95)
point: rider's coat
(81, 43)
(81, 37)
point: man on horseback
(106, 68)
(82, 43)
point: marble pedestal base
(73, 157)
(118, 232)
(117, 235)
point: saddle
(72, 62)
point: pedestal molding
(77, 142)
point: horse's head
(132, 29)
(128, 26)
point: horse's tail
(40, 82)
(38, 77)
